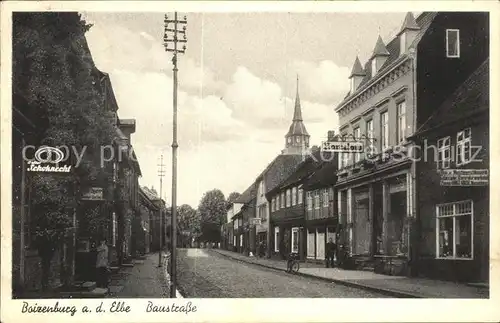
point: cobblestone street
(204, 273)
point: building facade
(321, 218)
(454, 217)
(390, 99)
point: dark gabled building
(321, 220)
(287, 210)
(453, 218)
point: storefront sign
(94, 194)
(255, 221)
(47, 160)
(342, 146)
(464, 177)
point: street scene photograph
(250, 155)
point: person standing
(102, 264)
(331, 248)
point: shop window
(454, 230)
(464, 155)
(444, 154)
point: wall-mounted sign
(464, 177)
(256, 221)
(342, 146)
(47, 159)
(94, 193)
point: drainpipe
(415, 220)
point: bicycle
(293, 263)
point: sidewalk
(144, 279)
(396, 286)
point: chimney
(331, 135)
(357, 75)
(408, 33)
(379, 56)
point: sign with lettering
(255, 221)
(48, 160)
(342, 146)
(94, 194)
(464, 177)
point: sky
(237, 85)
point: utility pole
(170, 38)
(161, 173)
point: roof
(247, 195)
(357, 69)
(325, 175)
(149, 194)
(424, 20)
(304, 170)
(471, 97)
(409, 23)
(279, 169)
(380, 49)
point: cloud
(325, 81)
(228, 130)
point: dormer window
(452, 43)
(402, 43)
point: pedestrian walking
(102, 266)
(331, 249)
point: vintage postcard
(249, 161)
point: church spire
(297, 138)
(297, 113)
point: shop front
(375, 222)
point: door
(311, 244)
(295, 240)
(320, 244)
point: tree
(55, 79)
(233, 196)
(188, 223)
(212, 210)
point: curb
(379, 290)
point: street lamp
(170, 38)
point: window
(288, 198)
(309, 201)
(357, 135)
(452, 43)
(454, 230)
(234, 240)
(374, 67)
(300, 197)
(273, 200)
(241, 240)
(401, 109)
(289, 140)
(297, 139)
(295, 240)
(369, 135)
(353, 84)
(316, 199)
(384, 128)
(283, 200)
(325, 197)
(276, 239)
(294, 196)
(464, 151)
(444, 155)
